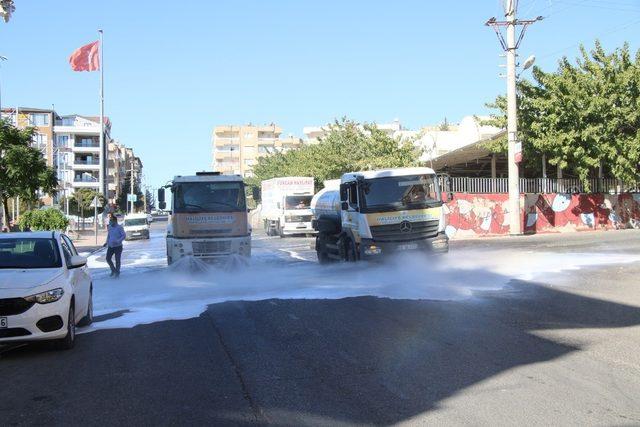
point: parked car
(45, 288)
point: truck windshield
(413, 191)
(297, 202)
(29, 253)
(195, 197)
(135, 222)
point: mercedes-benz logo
(405, 226)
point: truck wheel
(321, 250)
(351, 255)
(347, 249)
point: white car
(45, 288)
(136, 226)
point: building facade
(71, 145)
(236, 149)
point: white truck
(375, 213)
(286, 205)
(208, 217)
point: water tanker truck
(208, 218)
(367, 215)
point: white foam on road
(148, 292)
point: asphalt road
(532, 352)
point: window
(401, 192)
(248, 135)
(39, 119)
(353, 194)
(70, 245)
(40, 142)
(134, 222)
(249, 162)
(194, 197)
(29, 253)
(62, 140)
(66, 252)
(266, 149)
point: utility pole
(131, 193)
(514, 156)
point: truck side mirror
(343, 191)
(344, 206)
(161, 201)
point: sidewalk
(85, 241)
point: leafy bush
(43, 219)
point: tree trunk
(5, 209)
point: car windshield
(134, 222)
(196, 197)
(29, 253)
(401, 191)
(297, 202)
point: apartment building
(237, 148)
(313, 134)
(43, 121)
(71, 145)
(77, 144)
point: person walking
(115, 237)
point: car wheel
(69, 341)
(88, 319)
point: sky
(174, 70)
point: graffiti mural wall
(471, 215)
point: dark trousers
(117, 251)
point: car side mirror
(345, 206)
(77, 261)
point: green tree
(346, 147)
(81, 202)
(122, 202)
(583, 115)
(23, 169)
(43, 219)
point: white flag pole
(103, 152)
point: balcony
(93, 164)
(93, 147)
(86, 181)
(226, 140)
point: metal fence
(536, 185)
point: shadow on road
(299, 362)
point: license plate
(136, 234)
(408, 247)
(301, 225)
(3, 323)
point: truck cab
(286, 205)
(375, 213)
(208, 218)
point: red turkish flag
(86, 58)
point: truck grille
(405, 231)
(13, 306)
(300, 218)
(211, 248)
